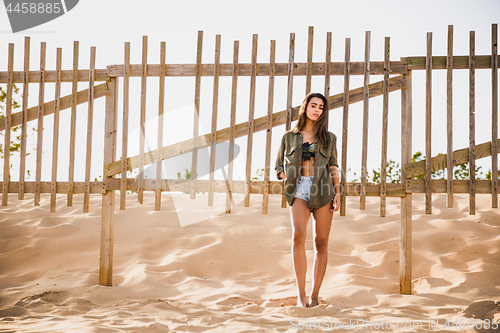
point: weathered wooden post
(108, 199)
(405, 230)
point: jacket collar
(316, 137)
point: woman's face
(314, 109)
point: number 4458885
(32, 7)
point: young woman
(307, 161)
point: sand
(233, 272)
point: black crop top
(308, 150)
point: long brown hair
(320, 125)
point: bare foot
(302, 301)
(313, 302)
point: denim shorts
(303, 190)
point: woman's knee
(299, 237)
(320, 244)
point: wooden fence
(397, 76)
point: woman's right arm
(279, 167)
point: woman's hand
(335, 203)
(282, 175)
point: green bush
(15, 143)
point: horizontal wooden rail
(318, 68)
(459, 62)
(202, 185)
(256, 186)
(50, 76)
(62, 187)
(260, 124)
(439, 186)
(49, 107)
(439, 162)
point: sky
(107, 25)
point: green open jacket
(290, 160)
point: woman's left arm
(334, 172)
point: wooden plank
(166, 185)
(318, 68)
(196, 123)
(50, 76)
(366, 106)
(183, 185)
(8, 112)
(494, 115)
(405, 229)
(183, 70)
(392, 190)
(279, 118)
(269, 132)
(115, 136)
(376, 67)
(327, 72)
(111, 115)
(373, 190)
(428, 125)
(258, 187)
(345, 126)
(232, 128)
(24, 119)
(385, 129)
(213, 134)
(72, 140)
(90, 120)
(161, 111)
(108, 198)
(459, 62)
(62, 187)
(251, 113)
(472, 123)
(407, 126)
(142, 138)
(49, 107)
(440, 162)
(310, 37)
(289, 97)
(405, 246)
(41, 94)
(449, 117)
(55, 141)
(459, 186)
(126, 85)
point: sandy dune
(233, 272)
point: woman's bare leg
(323, 217)
(300, 217)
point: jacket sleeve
(279, 167)
(333, 154)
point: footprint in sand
(483, 310)
(236, 302)
(48, 297)
(12, 312)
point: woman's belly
(306, 169)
